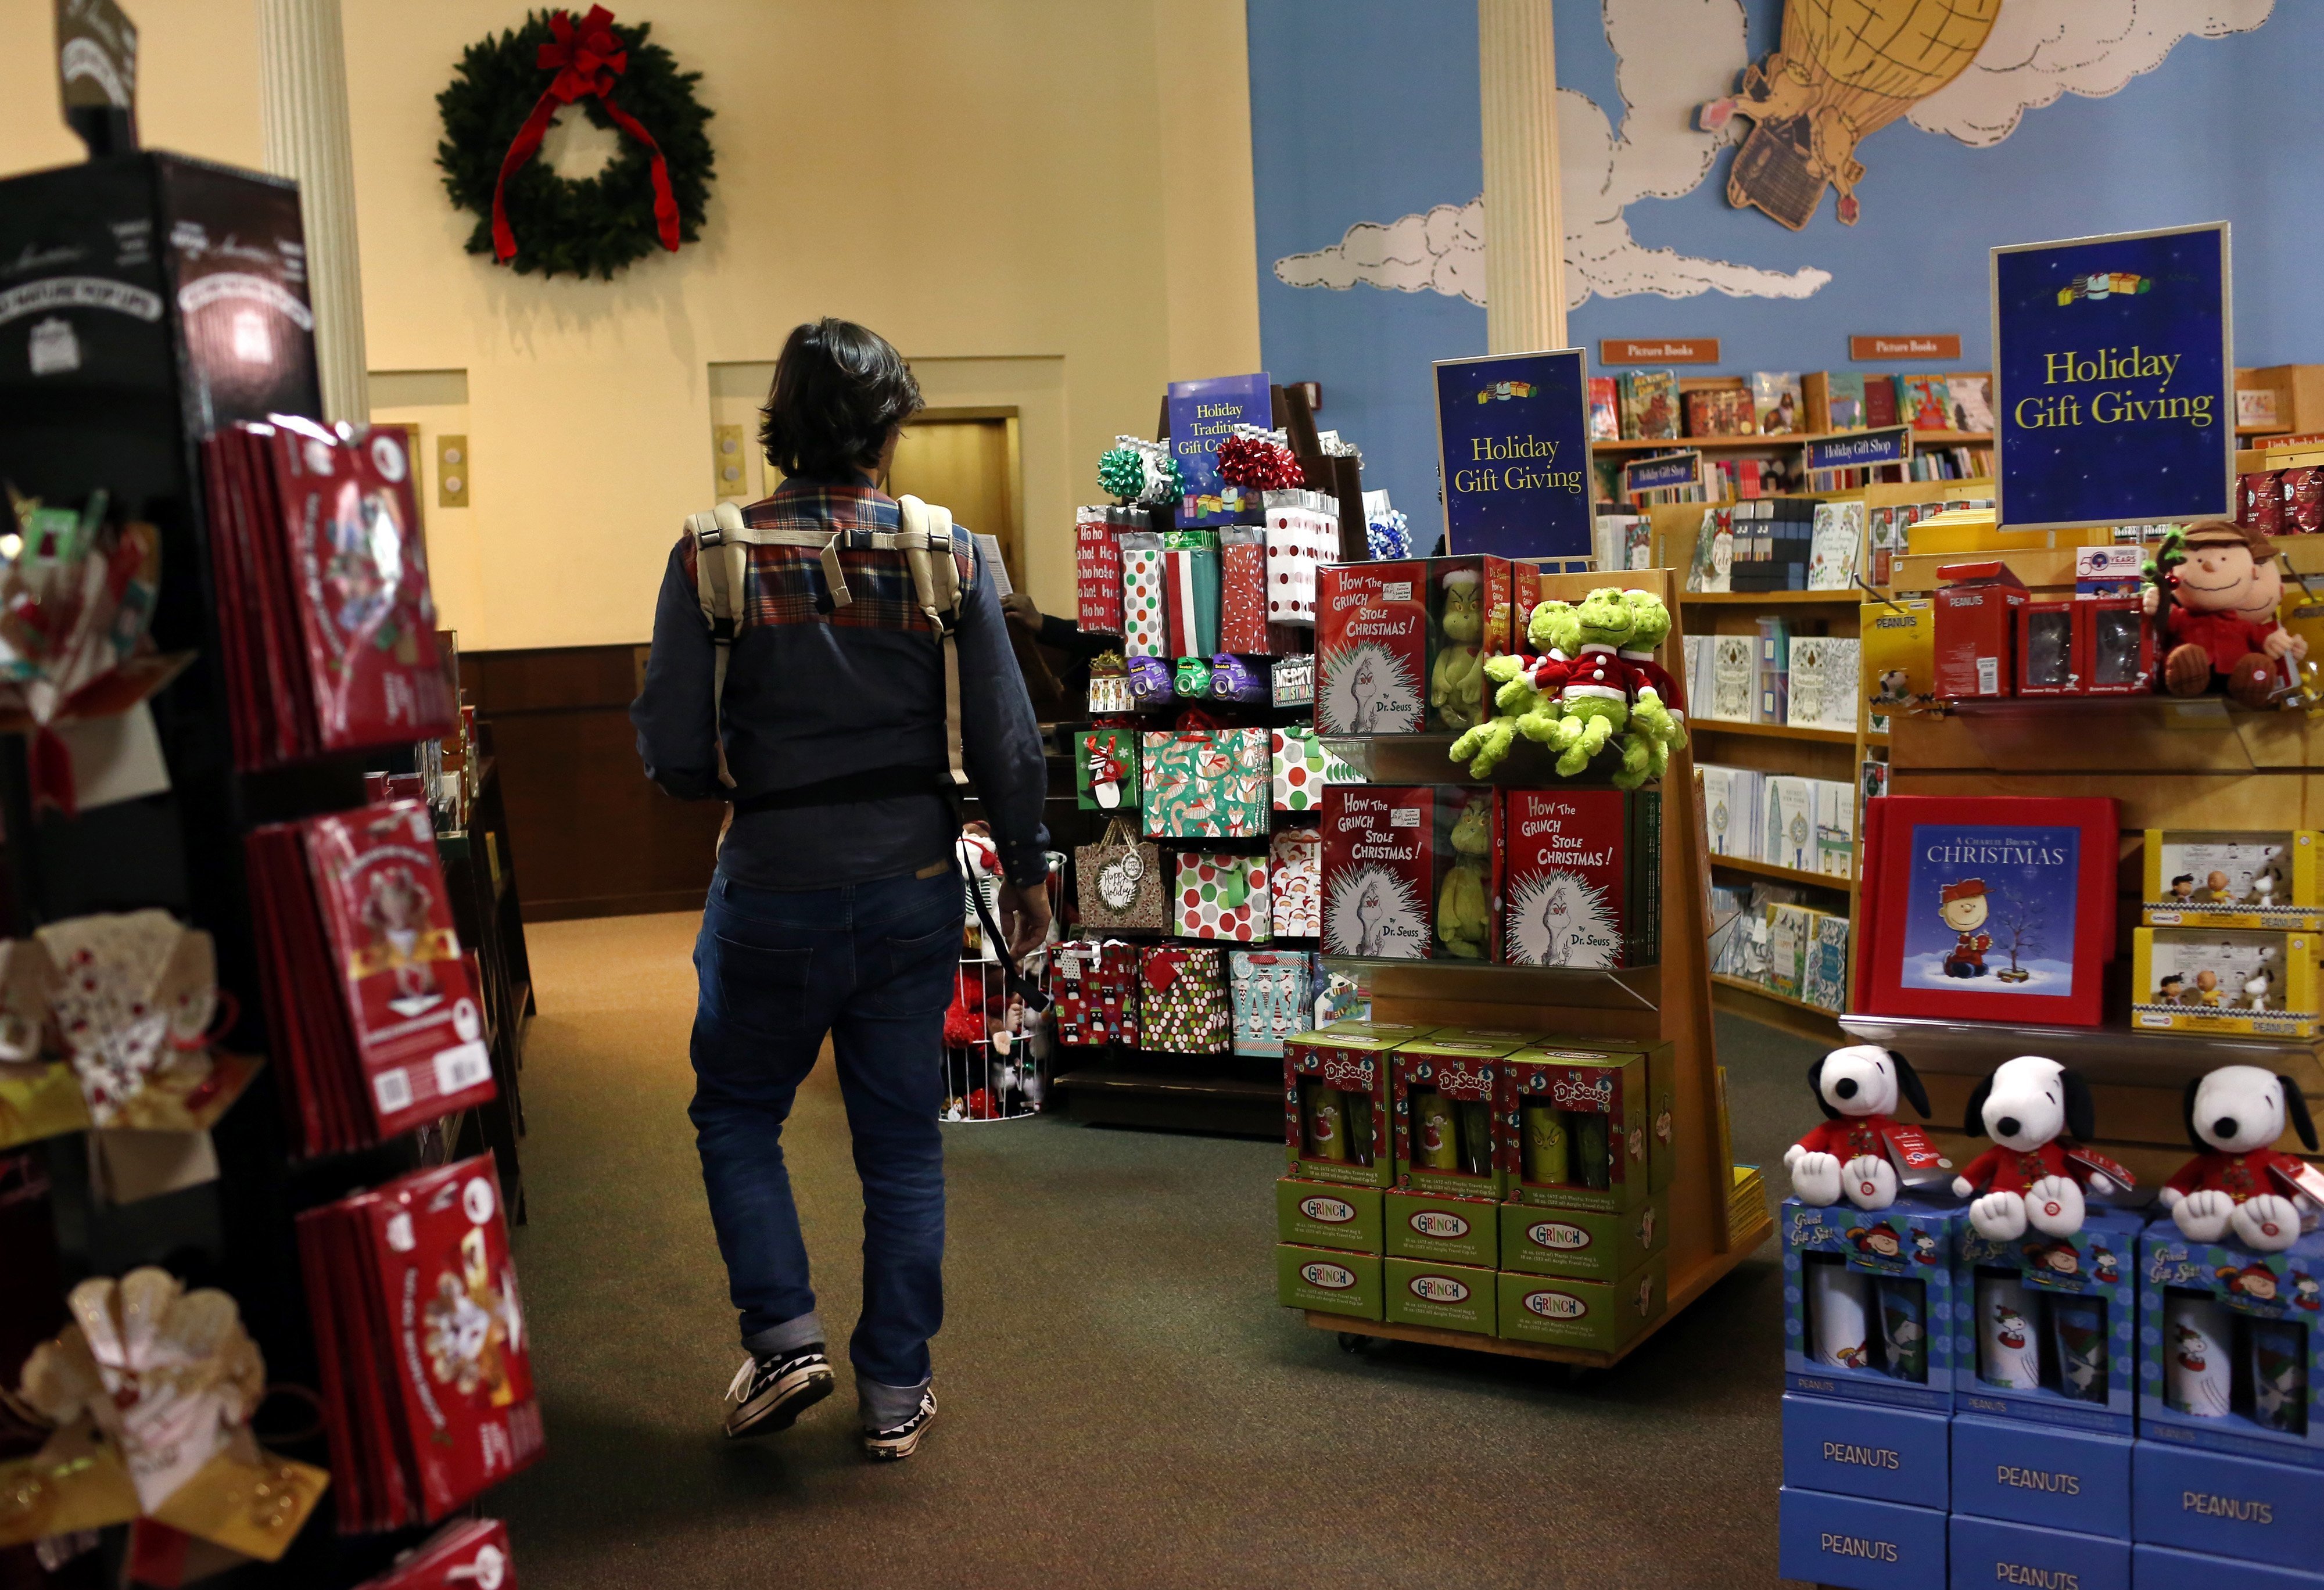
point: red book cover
(1371, 647)
(1879, 401)
(1566, 888)
(1997, 908)
(416, 1024)
(462, 1362)
(1868, 906)
(359, 580)
(1379, 870)
(469, 1554)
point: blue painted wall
(1379, 119)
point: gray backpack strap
(720, 559)
(928, 541)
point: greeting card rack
(2167, 762)
(1666, 1003)
(124, 415)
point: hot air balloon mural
(1846, 69)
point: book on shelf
(1790, 932)
(1734, 679)
(1835, 807)
(1650, 405)
(1835, 545)
(1835, 399)
(1788, 821)
(1720, 411)
(1605, 408)
(1772, 684)
(1714, 552)
(1782, 409)
(1731, 810)
(1924, 402)
(1970, 400)
(1823, 682)
(1879, 402)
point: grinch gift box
(1868, 1302)
(1443, 1090)
(1328, 1280)
(2046, 1332)
(1321, 1214)
(2231, 980)
(1540, 1241)
(1105, 768)
(1574, 1126)
(1446, 1297)
(1566, 1312)
(2231, 1355)
(1223, 896)
(1205, 783)
(2204, 878)
(1441, 1227)
(1401, 645)
(1582, 878)
(1335, 1106)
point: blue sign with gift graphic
(2113, 379)
(1513, 447)
(1203, 414)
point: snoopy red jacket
(2243, 1176)
(1851, 1135)
(2006, 1170)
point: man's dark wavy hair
(839, 389)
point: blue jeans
(873, 965)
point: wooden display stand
(2167, 762)
(1669, 1003)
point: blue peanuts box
(2158, 1567)
(1864, 1449)
(1859, 1545)
(1986, 1551)
(2046, 1327)
(2243, 1508)
(2231, 1358)
(1868, 1302)
(2035, 1474)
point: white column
(1525, 227)
(303, 111)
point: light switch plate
(729, 465)
(451, 472)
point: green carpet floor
(1123, 1405)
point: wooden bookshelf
(1847, 598)
(1769, 1008)
(1822, 880)
(1770, 730)
(1921, 438)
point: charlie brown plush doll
(2221, 626)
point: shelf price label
(2112, 377)
(1861, 449)
(1661, 473)
(1513, 449)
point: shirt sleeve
(676, 714)
(1065, 635)
(1001, 741)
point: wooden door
(967, 460)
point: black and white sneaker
(899, 1441)
(775, 1389)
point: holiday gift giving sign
(1513, 446)
(2111, 379)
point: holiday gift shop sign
(2112, 379)
(1513, 446)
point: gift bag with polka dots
(1221, 897)
(1181, 996)
(1145, 615)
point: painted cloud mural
(1673, 56)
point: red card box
(1977, 631)
(471, 1554)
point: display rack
(2167, 762)
(1666, 1003)
(1836, 754)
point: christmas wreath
(652, 194)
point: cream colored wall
(1063, 183)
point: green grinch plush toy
(1595, 699)
(1462, 920)
(1456, 687)
(1555, 632)
(1484, 747)
(1654, 730)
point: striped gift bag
(1191, 576)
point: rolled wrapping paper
(1356, 1126)
(2008, 1347)
(1436, 1134)
(2198, 1376)
(1548, 1159)
(2078, 1329)
(1592, 1151)
(2279, 1373)
(1904, 1326)
(1840, 1313)
(1327, 1134)
(1476, 1118)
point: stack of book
(315, 558)
(1773, 676)
(1782, 945)
(370, 1003)
(427, 1370)
(1621, 541)
(1747, 1200)
(1781, 818)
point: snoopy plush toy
(2035, 1111)
(2240, 1184)
(1860, 1147)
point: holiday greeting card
(1991, 909)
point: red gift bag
(1242, 593)
(1097, 572)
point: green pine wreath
(595, 226)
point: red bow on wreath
(586, 60)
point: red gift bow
(586, 60)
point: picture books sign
(1513, 445)
(2112, 374)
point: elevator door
(966, 459)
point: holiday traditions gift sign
(1513, 446)
(2111, 379)
(1203, 414)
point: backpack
(926, 538)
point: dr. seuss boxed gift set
(1391, 854)
(1443, 1091)
(1579, 1129)
(1401, 647)
(1335, 1106)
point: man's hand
(1025, 918)
(1021, 611)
